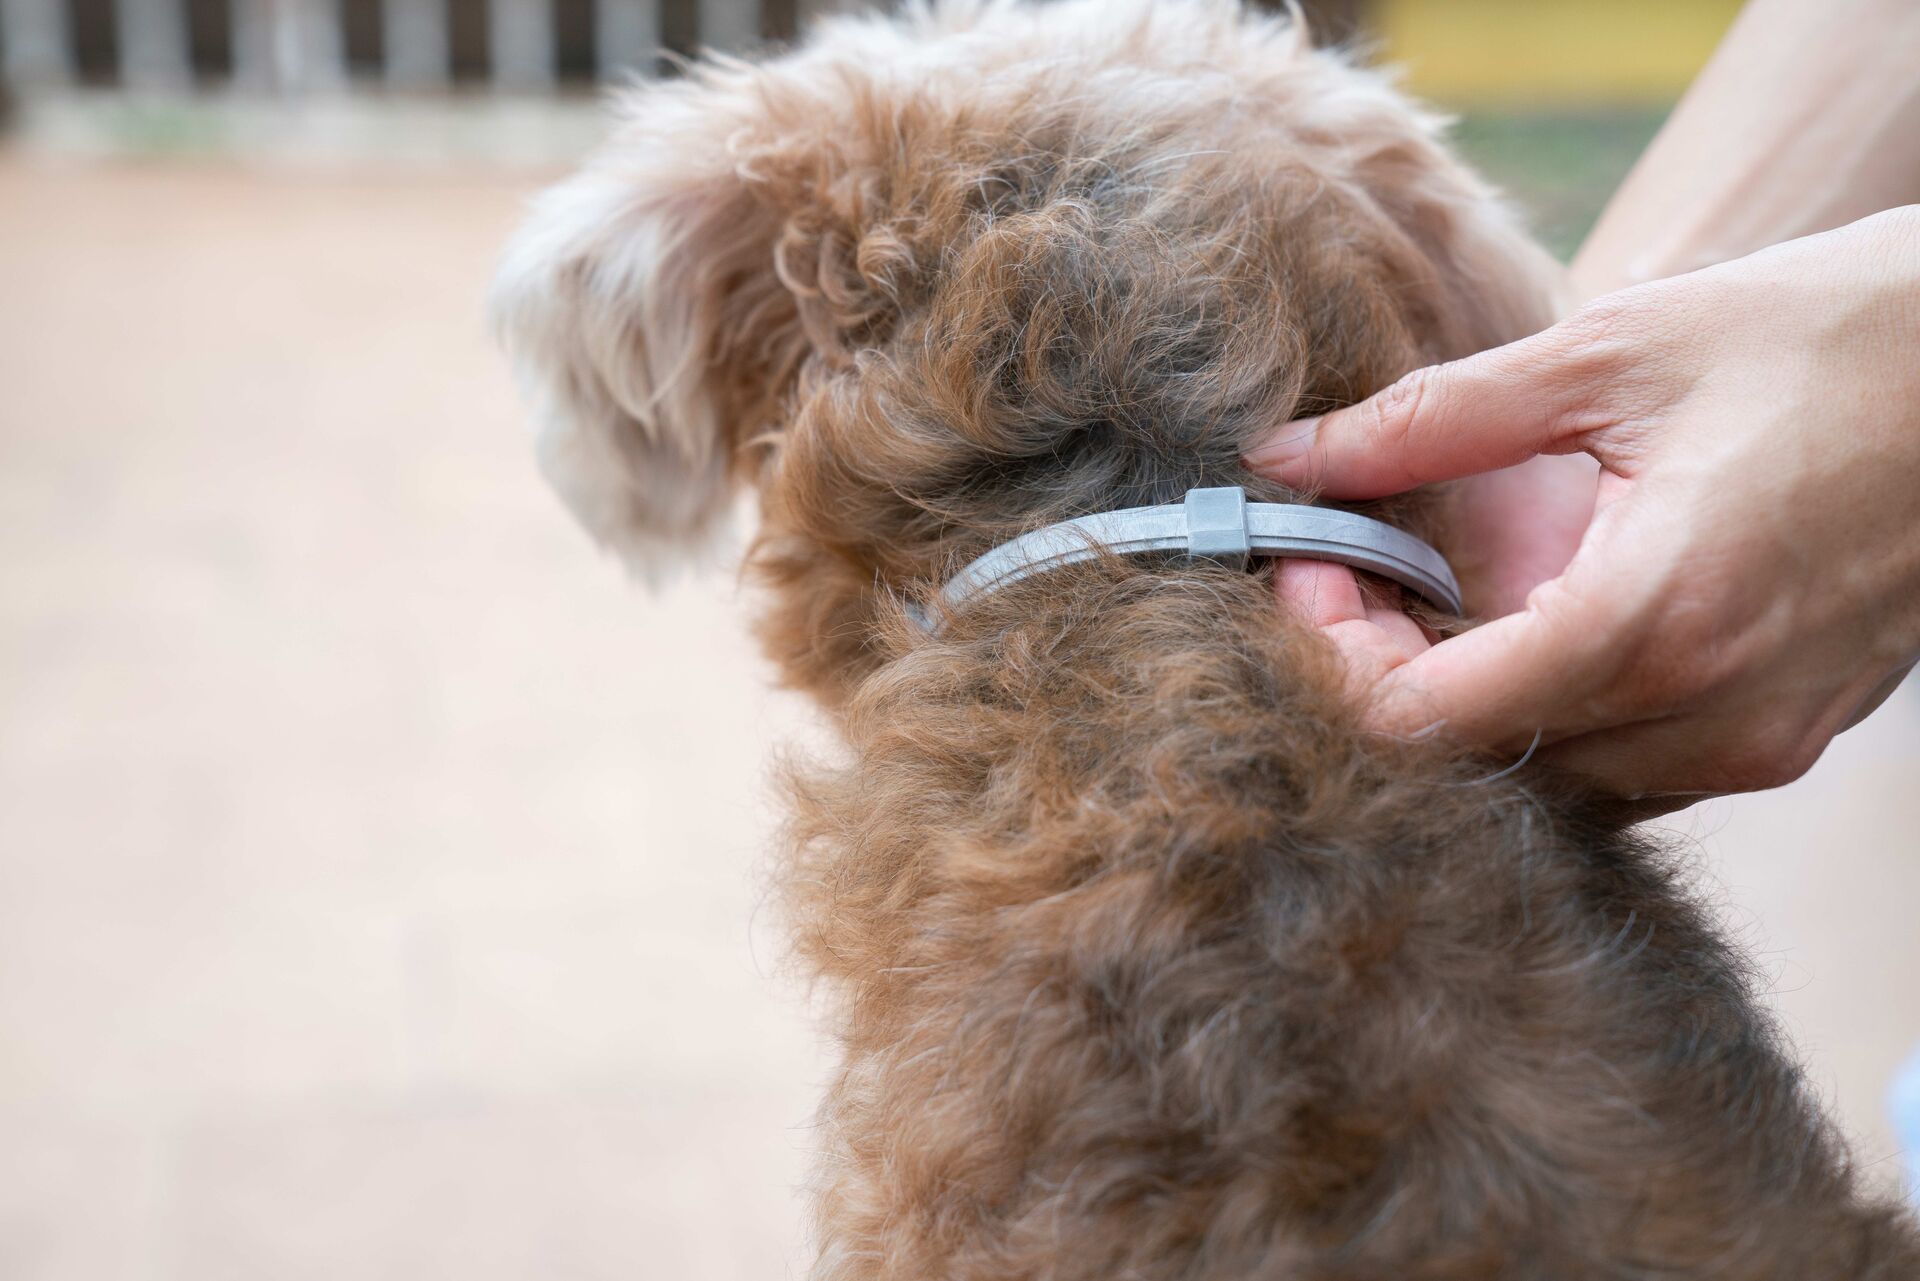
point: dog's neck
(1118, 718)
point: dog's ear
(648, 325)
(1471, 277)
(1482, 280)
(1486, 282)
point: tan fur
(1149, 963)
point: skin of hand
(1749, 584)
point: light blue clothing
(1904, 1101)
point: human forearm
(1807, 117)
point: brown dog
(1152, 965)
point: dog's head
(931, 281)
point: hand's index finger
(1488, 411)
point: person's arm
(1750, 583)
(1806, 118)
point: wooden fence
(295, 45)
(289, 46)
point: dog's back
(1150, 963)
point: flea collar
(1218, 525)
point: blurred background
(380, 869)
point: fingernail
(1283, 455)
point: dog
(1148, 962)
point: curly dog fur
(1149, 963)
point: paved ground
(378, 869)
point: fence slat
(729, 25)
(626, 37)
(154, 44)
(287, 44)
(35, 34)
(521, 35)
(318, 53)
(811, 9)
(415, 33)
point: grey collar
(1221, 525)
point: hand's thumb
(1488, 411)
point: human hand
(1749, 584)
